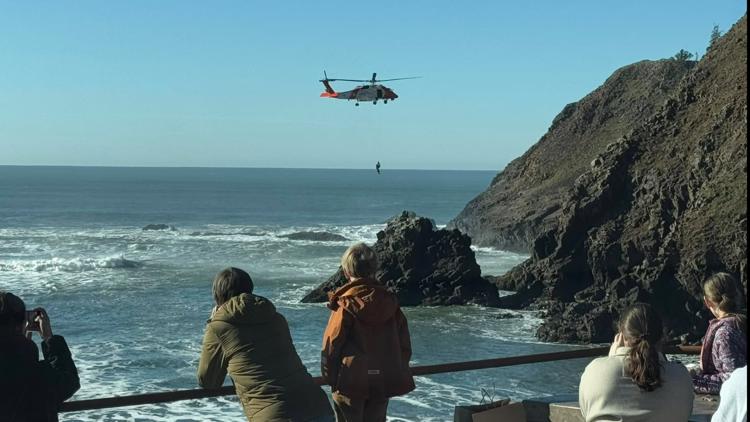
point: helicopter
(372, 91)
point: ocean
(132, 303)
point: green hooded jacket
(248, 339)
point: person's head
(359, 261)
(643, 331)
(722, 296)
(12, 313)
(229, 283)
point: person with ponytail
(636, 382)
(725, 343)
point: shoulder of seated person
(677, 367)
(729, 327)
(613, 363)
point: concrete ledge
(564, 408)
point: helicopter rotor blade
(372, 81)
(350, 80)
(398, 79)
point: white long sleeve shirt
(733, 404)
(607, 393)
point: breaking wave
(74, 265)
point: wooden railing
(178, 395)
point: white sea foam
(73, 265)
(269, 234)
(496, 261)
(38, 261)
(102, 367)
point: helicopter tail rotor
(330, 92)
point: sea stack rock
(656, 213)
(423, 266)
(315, 236)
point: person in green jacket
(246, 338)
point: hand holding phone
(45, 328)
(618, 342)
(31, 320)
(37, 320)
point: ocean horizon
(243, 168)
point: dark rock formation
(501, 282)
(315, 236)
(658, 212)
(508, 315)
(423, 266)
(526, 198)
(159, 227)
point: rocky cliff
(656, 212)
(423, 266)
(525, 199)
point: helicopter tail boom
(329, 90)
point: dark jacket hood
(246, 309)
(367, 299)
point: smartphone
(31, 323)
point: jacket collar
(245, 309)
(722, 321)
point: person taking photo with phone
(32, 390)
(636, 382)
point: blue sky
(235, 83)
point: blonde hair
(359, 261)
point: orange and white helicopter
(372, 91)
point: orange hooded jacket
(366, 345)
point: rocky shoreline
(656, 213)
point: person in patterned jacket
(725, 343)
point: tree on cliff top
(682, 55)
(715, 35)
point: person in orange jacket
(366, 345)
